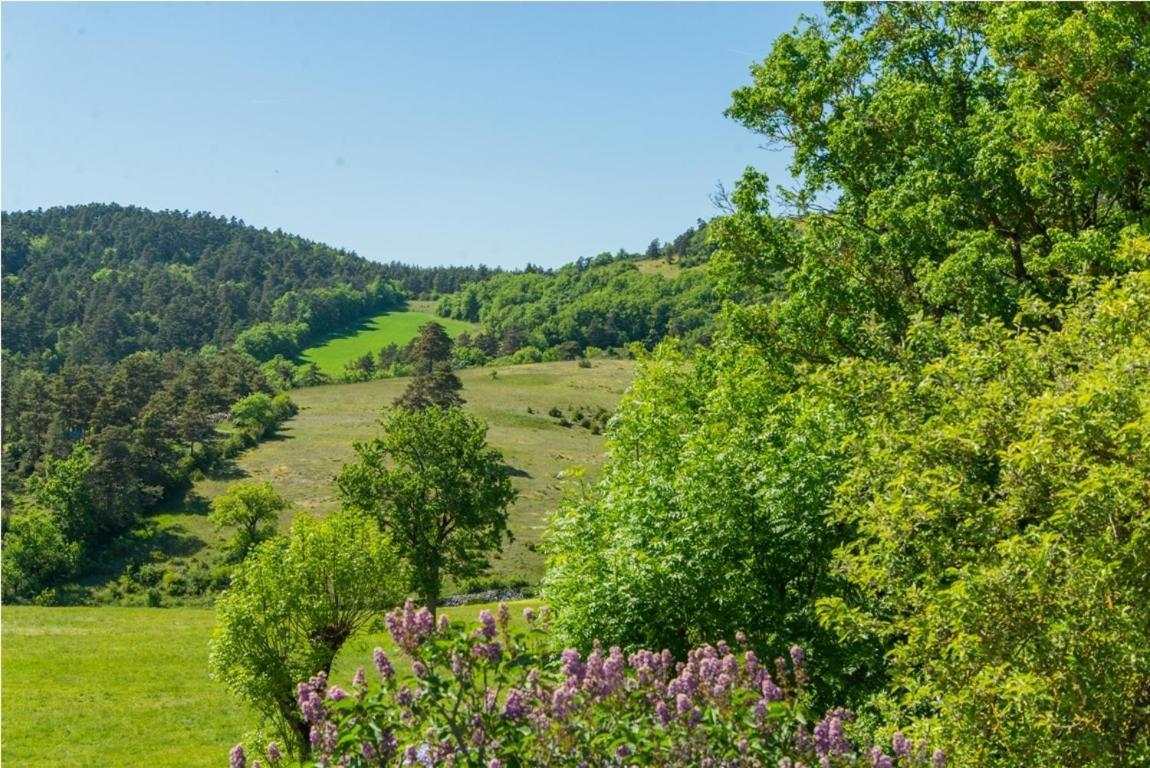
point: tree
(292, 605)
(439, 388)
(437, 488)
(252, 509)
(430, 348)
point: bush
(292, 605)
(494, 696)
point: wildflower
(444, 624)
(900, 744)
(383, 664)
(938, 759)
(495, 763)
(237, 756)
(682, 703)
(529, 615)
(488, 629)
(336, 693)
(274, 752)
(798, 657)
(514, 707)
(661, 713)
(504, 616)
(879, 759)
(419, 669)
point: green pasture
(372, 335)
(110, 687)
(302, 460)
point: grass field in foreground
(373, 335)
(100, 687)
(302, 461)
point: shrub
(493, 696)
(292, 605)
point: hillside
(304, 457)
(94, 283)
(371, 335)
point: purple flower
(444, 624)
(529, 615)
(622, 752)
(662, 714)
(514, 708)
(360, 679)
(682, 703)
(383, 664)
(741, 638)
(310, 703)
(771, 692)
(274, 752)
(879, 759)
(419, 669)
(798, 657)
(900, 744)
(488, 629)
(938, 759)
(236, 756)
(492, 651)
(572, 666)
(495, 763)
(504, 616)
(336, 693)
(367, 749)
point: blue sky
(426, 133)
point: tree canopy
(437, 489)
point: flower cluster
(494, 696)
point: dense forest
(593, 303)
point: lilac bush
(494, 697)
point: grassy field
(99, 687)
(374, 334)
(304, 458)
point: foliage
(95, 283)
(493, 696)
(36, 554)
(917, 446)
(292, 605)
(434, 384)
(437, 489)
(251, 508)
(602, 302)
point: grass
(129, 686)
(659, 267)
(375, 333)
(302, 461)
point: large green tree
(252, 509)
(437, 489)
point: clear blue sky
(433, 133)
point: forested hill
(95, 283)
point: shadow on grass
(516, 471)
(363, 324)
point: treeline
(920, 450)
(95, 283)
(596, 304)
(90, 450)
(689, 249)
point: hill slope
(302, 460)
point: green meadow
(302, 460)
(376, 333)
(107, 687)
